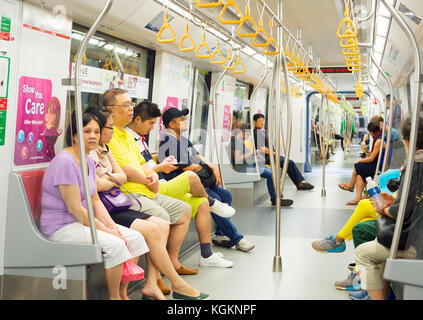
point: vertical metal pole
(391, 114)
(414, 127)
(78, 112)
(377, 173)
(323, 135)
(213, 108)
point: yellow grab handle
(203, 44)
(209, 4)
(352, 58)
(348, 32)
(260, 29)
(165, 26)
(350, 43)
(239, 63)
(351, 51)
(227, 5)
(186, 36)
(278, 49)
(241, 24)
(215, 52)
(229, 62)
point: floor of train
(306, 274)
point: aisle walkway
(306, 274)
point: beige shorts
(167, 208)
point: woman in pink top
(63, 211)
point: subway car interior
(269, 150)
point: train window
(200, 110)
(99, 54)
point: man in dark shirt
(261, 141)
(188, 158)
(242, 160)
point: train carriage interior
(302, 110)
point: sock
(211, 201)
(206, 250)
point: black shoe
(305, 186)
(284, 203)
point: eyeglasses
(124, 105)
(111, 128)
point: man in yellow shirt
(166, 200)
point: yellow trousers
(364, 212)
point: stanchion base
(277, 264)
(323, 192)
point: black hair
(71, 130)
(257, 116)
(373, 126)
(406, 130)
(109, 97)
(146, 110)
(388, 97)
(102, 113)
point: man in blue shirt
(174, 144)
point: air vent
(410, 14)
(393, 55)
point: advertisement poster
(37, 123)
(5, 25)
(4, 88)
(96, 80)
(227, 118)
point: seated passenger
(243, 160)
(261, 141)
(64, 216)
(371, 256)
(365, 167)
(171, 201)
(154, 230)
(226, 233)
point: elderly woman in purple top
(63, 211)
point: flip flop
(343, 187)
(352, 203)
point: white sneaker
(244, 245)
(215, 260)
(222, 209)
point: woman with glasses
(154, 230)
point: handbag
(206, 176)
(115, 200)
(131, 272)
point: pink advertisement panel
(37, 122)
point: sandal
(343, 186)
(352, 202)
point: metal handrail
(414, 127)
(213, 105)
(78, 112)
(370, 15)
(388, 143)
(324, 148)
(383, 129)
